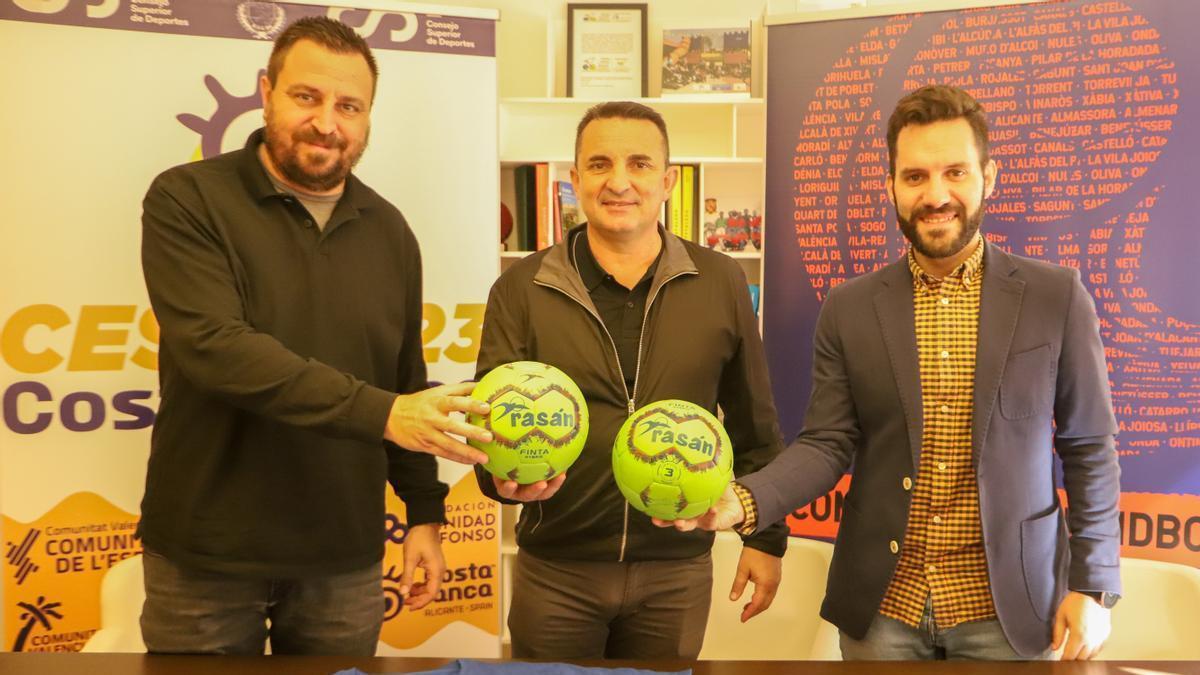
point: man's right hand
(726, 513)
(421, 422)
(511, 489)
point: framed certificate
(606, 51)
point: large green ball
(672, 459)
(538, 420)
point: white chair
(509, 514)
(1159, 615)
(121, 596)
(791, 629)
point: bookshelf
(723, 138)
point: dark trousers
(195, 612)
(566, 609)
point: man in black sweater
(289, 299)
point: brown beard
(286, 158)
(970, 225)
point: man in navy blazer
(989, 565)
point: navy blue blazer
(1040, 382)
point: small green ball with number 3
(672, 459)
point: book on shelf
(566, 209)
(531, 185)
(755, 294)
(688, 175)
(682, 203)
(675, 207)
(556, 234)
(732, 223)
(543, 222)
(706, 61)
(525, 195)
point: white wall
(533, 33)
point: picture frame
(707, 61)
(606, 51)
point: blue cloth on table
(469, 667)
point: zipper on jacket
(595, 315)
(637, 369)
(630, 399)
(539, 520)
(525, 517)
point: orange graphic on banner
(470, 589)
(53, 568)
(1162, 527)
(821, 518)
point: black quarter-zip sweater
(281, 351)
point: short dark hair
(627, 110)
(936, 103)
(331, 34)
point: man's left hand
(422, 549)
(1084, 624)
(765, 570)
(723, 515)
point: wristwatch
(1106, 599)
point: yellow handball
(538, 420)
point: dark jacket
(700, 343)
(1040, 382)
(281, 349)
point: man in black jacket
(289, 298)
(633, 315)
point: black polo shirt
(622, 309)
(282, 349)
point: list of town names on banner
(1083, 98)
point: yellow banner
(470, 588)
(54, 569)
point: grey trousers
(194, 612)
(567, 609)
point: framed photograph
(606, 51)
(706, 61)
(732, 223)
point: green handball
(672, 459)
(538, 420)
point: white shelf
(744, 161)
(689, 101)
(741, 255)
(725, 137)
(702, 131)
(515, 162)
(747, 161)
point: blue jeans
(190, 611)
(892, 640)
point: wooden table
(104, 664)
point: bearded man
(947, 378)
(293, 385)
